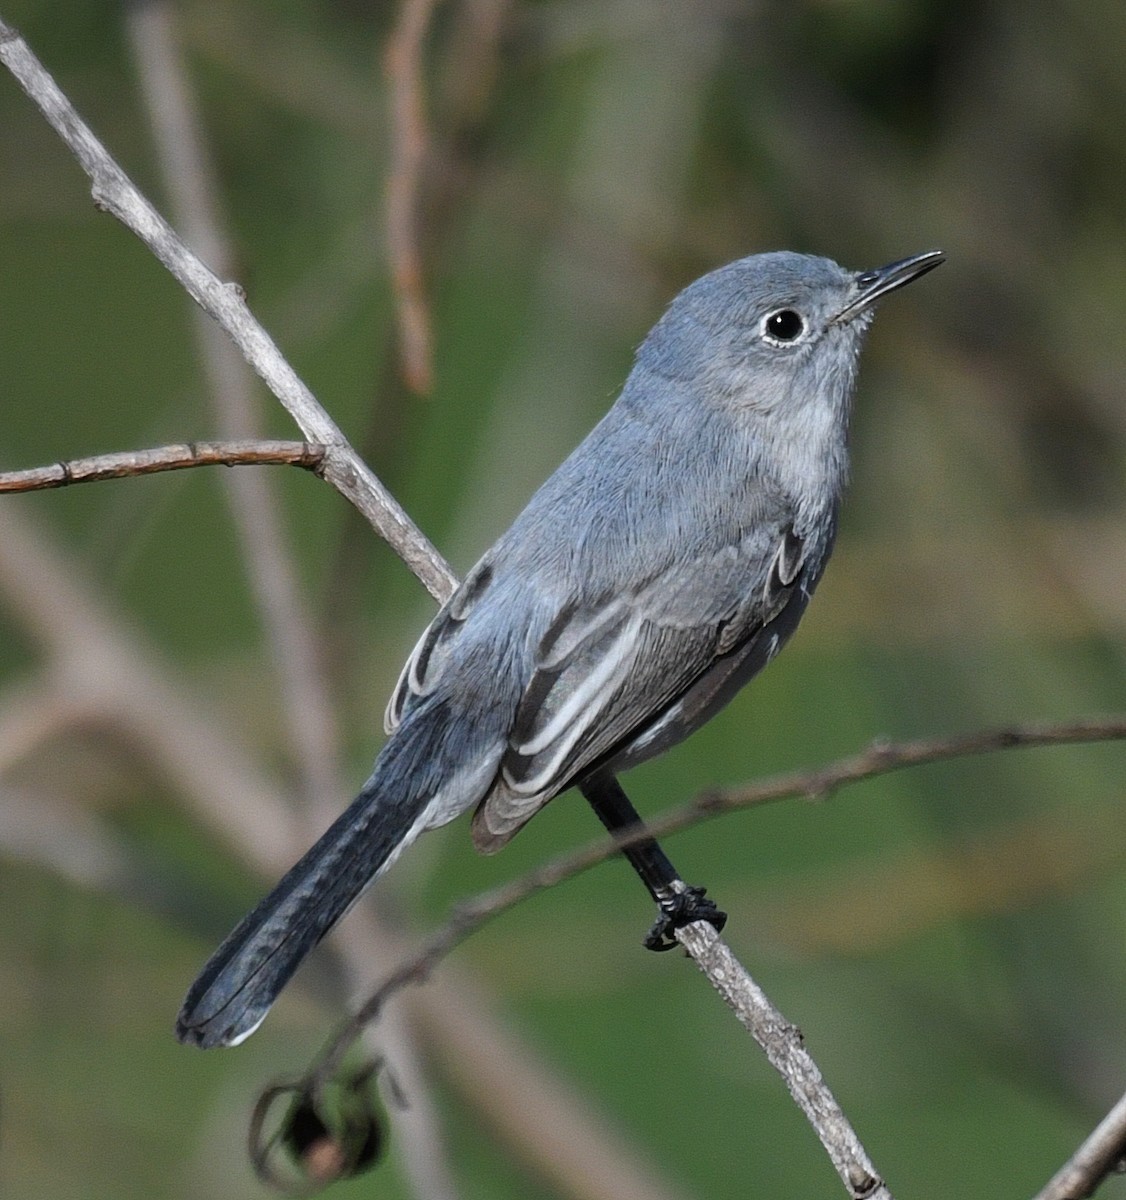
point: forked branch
(115, 193)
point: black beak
(875, 284)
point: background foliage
(950, 939)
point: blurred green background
(950, 940)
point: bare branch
(403, 63)
(115, 193)
(779, 1039)
(125, 463)
(1100, 1155)
(782, 1044)
(882, 757)
(879, 759)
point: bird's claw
(680, 909)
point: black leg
(678, 904)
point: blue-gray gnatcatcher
(659, 569)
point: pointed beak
(873, 285)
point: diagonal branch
(1103, 1153)
(123, 464)
(779, 1040)
(306, 703)
(785, 1050)
(114, 192)
(881, 758)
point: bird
(655, 572)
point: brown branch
(403, 64)
(114, 192)
(1102, 1154)
(777, 1037)
(881, 758)
(126, 463)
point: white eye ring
(783, 327)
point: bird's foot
(678, 909)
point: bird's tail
(240, 982)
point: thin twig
(782, 1044)
(1102, 1154)
(115, 193)
(879, 759)
(883, 757)
(403, 63)
(123, 464)
(779, 1039)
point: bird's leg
(678, 903)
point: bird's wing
(605, 672)
(439, 639)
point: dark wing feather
(429, 655)
(603, 675)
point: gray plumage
(659, 568)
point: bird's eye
(785, 325)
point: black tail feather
(240, 982)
